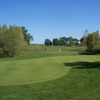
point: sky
(52, 18)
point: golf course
(49, 50)
(45, 73)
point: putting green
(28, 71)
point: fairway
(38, 74)
(34, 66)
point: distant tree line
(90, 40)
(62, 41)
(12, 40)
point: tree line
(62, 41)
(90, 40)
(13, 39)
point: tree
(85, 36)
(63, 40)
(11, 41)
(93, 42)
(4, 27)
(1, 39)
(70, 40)
(75, 41)
(48, 42)
(81, 40)
(28, 38)
(56, 41)
(0, 27)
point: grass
(40, 74)
(31, 71)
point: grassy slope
(82, 82)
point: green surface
(41, 74)
(31, 70)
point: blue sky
(52, 18)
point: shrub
(93, 42)
(11, 41)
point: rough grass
(80, 75)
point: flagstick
(60, 53)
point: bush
(93, 42)
(11, 41)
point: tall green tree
(28, 38)
(48, 42)
(56, 41)
(70, 40)
(93, 42)
(63, 40)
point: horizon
(52, 18)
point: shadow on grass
(88, 53)
(84, 65)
